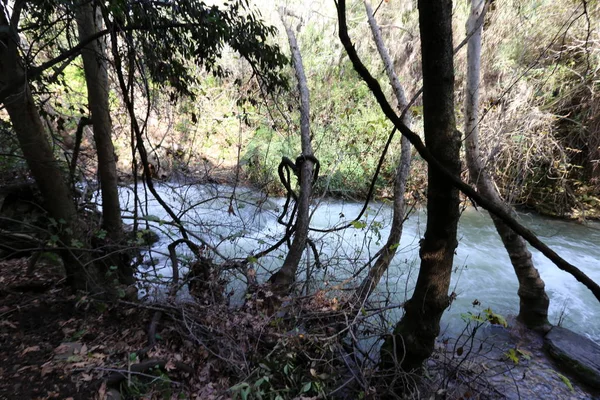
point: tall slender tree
(414, 336)
(402, 170)
(287, 274)
(89, 23)
(534, 301)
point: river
(483, 271)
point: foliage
(342, 111)
(280, 376)
(539, 130)
(175, 37)
(486, 316)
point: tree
(95, 66)
(89, 23)
(534, 301)
(304, 167)
(454, 179)
(414, 336)
(389, 250)
(33, 139)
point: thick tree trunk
(414, 336)
(39, 155)
(534, 301)
(96, 76)
(389, 250)
(286, 276)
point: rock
(578, 354)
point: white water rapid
(483, 271)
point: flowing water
(237, 226)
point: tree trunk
(534, 301)
(286, 276)
(389, 250)
(38, 153)
(414, 336)
(96, 77)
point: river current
(241, 223)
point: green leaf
(566, 381)
(245, 393)
(359, 224)
(242, 389)
(306, 387)
(261, 381)
(512, 355)
(495, 319)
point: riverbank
(59, 345)
(587, 209)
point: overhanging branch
(416, 141)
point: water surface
(247, 222)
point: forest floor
(57, 345)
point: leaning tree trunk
(389, 250)
(38, 153)
(414, 337)
(286, 276)
(534, 301)
(96, 78)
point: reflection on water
(248, 223)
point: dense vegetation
(101, 96)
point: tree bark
(389, 250)
(286, 276)
(38, 153)
(414, 336)
(534, 301)
(96, 76)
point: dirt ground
(57, 345)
